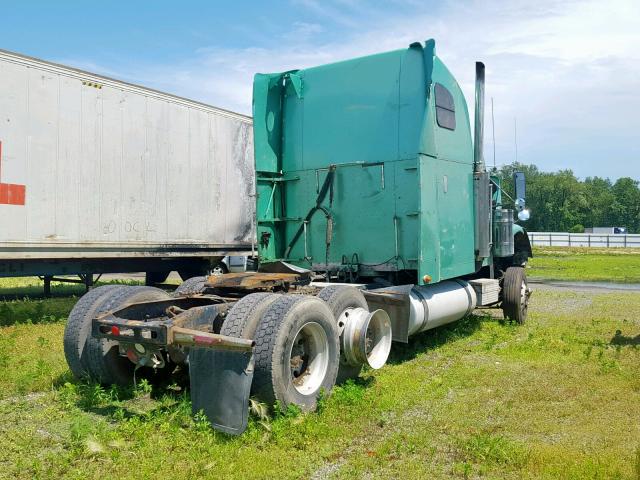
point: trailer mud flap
(220, 386)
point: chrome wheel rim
(309, 358)
(524, 296)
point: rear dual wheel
(77, 331)
(339, 298)
(191, 286)
(196, 285)
(297, 350)
(243, 318)
(98, 358)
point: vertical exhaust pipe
(481, 182)
(478, 157)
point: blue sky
(568, 71)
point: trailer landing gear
(84, 278)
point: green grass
(556, 398)
(586, 264)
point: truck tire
(188, 273)
(515, 294)
(78, 329)
(339, 298)
(297, 352)
(103, 359)
(192, 286)
(243, 318)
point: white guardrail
(566, 239)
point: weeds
(23, 302)
(489, 449)
(479, 398)
(351, 393)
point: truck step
(487, 290)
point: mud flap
(220, 386)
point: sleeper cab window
(445, 109)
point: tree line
(560, 202)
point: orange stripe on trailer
(12, 194)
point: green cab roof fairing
(372, 119)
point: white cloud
(567, 70)
(303, 31)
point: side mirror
(520, 186)
(524, 215)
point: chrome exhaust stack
(481, 182)
(478, 124)
(366, 337)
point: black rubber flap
(220, 386)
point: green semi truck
(376, 219)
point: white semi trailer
(99, 175)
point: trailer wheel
(220, 269)
(78, 329)
(192, 286)
(297, 352)
(515, 294)
(101, 358)
(339, 298)
(243, 318)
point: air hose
(327, 186)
